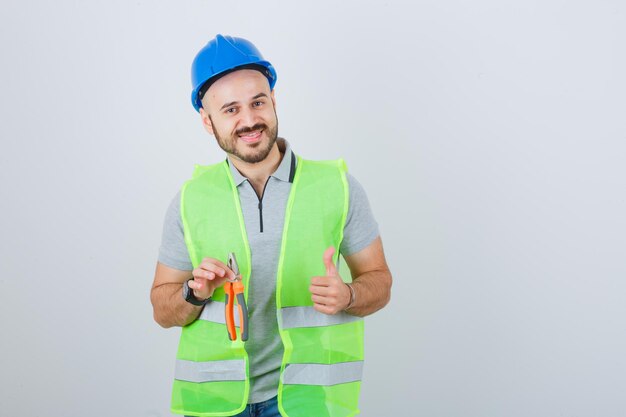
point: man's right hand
(208, 276)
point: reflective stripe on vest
(229, 370)
(309, 317)
(215, 311)
(321, 374)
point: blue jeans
(267, 408)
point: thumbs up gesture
(329, 293)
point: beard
(260, 151)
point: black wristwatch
(190, 298)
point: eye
(258, 103)
(230, 110)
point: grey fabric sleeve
(361, 228)
(173, 251)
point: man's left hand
(329, 293)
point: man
(282, 216)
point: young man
(282, 216)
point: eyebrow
(232, 103)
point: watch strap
(189, 296)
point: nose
(247, 118)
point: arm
(372, 285)
(170, 308)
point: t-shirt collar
(284, 172)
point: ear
(273, 98)
(206, 121)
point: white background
(489, 136)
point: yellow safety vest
(322, 364)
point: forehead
(237, 86)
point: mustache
(258, 126)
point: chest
(264, 212)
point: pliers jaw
(232, 264)
(234, 288)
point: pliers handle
(234, 289)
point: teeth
(251, 134)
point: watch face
(186, 290)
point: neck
(259, 173)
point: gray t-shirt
(264, 219)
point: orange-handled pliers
(234, 289)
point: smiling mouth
(251, 137)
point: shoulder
(354, 185)
(203, 173)
(329, 164)
(207, 181)
(173, 210)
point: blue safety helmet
(221, 56)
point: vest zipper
(261, 204)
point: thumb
(331, 270)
